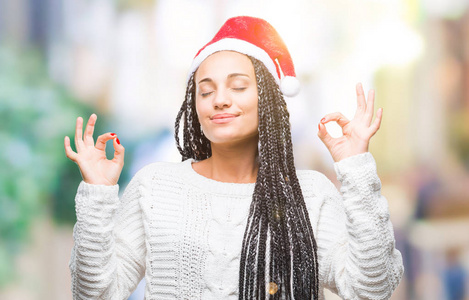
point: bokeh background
(127, 61)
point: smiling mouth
(223, 118)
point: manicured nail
(319, 126)
(323, 120)
(117, 140)
(113, 134)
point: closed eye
(206, 94)
(240, 89)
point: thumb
(119, 151)
(323, 134)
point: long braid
(196, 145)
(279, 247)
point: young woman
(235, 219)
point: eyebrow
(229, 76)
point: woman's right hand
(95, 168)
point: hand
(356, 133)
(95, 168)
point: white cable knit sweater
(183, 233)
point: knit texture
(183, 233)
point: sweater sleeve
(356, 246)
(108, 257)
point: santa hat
(257, 38)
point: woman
(235, 219)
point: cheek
(199, 110)
(254, 106)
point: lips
(223, 118)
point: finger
(102, 140)
(324, 135)
(337, 117)
(79, 133)
(361, 101)
(377, 122)
(119, 151)
(88, 137)
(72, 155)
(370, 107)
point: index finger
(337, 117)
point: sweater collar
(217, 187)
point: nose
(222, 99)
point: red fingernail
(113, 134)
(117, 140)
(323, 120)
(319, 126)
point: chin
(224, 139)
(231, 137)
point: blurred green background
(127, 61)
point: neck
(231, 163)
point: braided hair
(279, 251)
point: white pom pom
(290, 86)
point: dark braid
(279, 248)
(196, 145)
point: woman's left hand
(357, 132)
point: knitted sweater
(183, 232)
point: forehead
(222, 63)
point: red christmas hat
(257, 38)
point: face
(226, 98)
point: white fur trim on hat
(238, 46)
